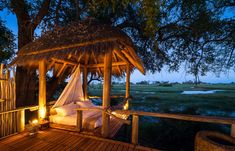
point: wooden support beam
(120, 55)
(127, 80)
(135, 129)
(80, 56)
(96, 62)
(106, 92)
(79, 120)
(102, 65)
(85, 83)
(50, 65)
(85, 74)
(73, 70)
(127, 85)
(116, 60)
(21, 126)
(61, 70)
(233, 130)
(65, 61)
(134, 62)
(42, 90)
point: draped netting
(73, 91)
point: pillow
(67, 109)
(85, 104)
(53, 112)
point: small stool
(44, 125)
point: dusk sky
(181, 76)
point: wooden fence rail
(195, 118)
(9, 121)
(7, 89)
(13, 121)
(136, 114)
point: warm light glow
(35, 121)
(126, 106)
(42, 112)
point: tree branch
(57, 13)
(19, 8)
(92, 78)
(41, 13)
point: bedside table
(44, 125)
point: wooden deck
(60, 140)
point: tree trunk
(25, 79)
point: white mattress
(72, 119)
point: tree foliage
(197, 34)
(7, 44)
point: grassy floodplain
(169, 134)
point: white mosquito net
(73, 91)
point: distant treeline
(163, 83)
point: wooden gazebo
(99, 49)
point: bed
(66, 115)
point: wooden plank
(115, 147)
(53, 139)
(89, 145)
(196, 118)
(104, 147)
(19, 109)
(110, 146)
(80, 145)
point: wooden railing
(79, 116)
(195, 118)
(136, 114)
(13, 121)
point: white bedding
(72, 119)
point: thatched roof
(81, 43)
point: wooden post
(127, 85)
(22, 121)
(106, 92)
(85, 82)
(233, 130)
(42, 90)
(79, 120)
(135, 128)
(86, 57)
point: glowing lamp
(35, 121)
(125, 107)
(42, 112)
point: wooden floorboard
(60, 140)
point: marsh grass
(174, 135)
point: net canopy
(73, 91)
